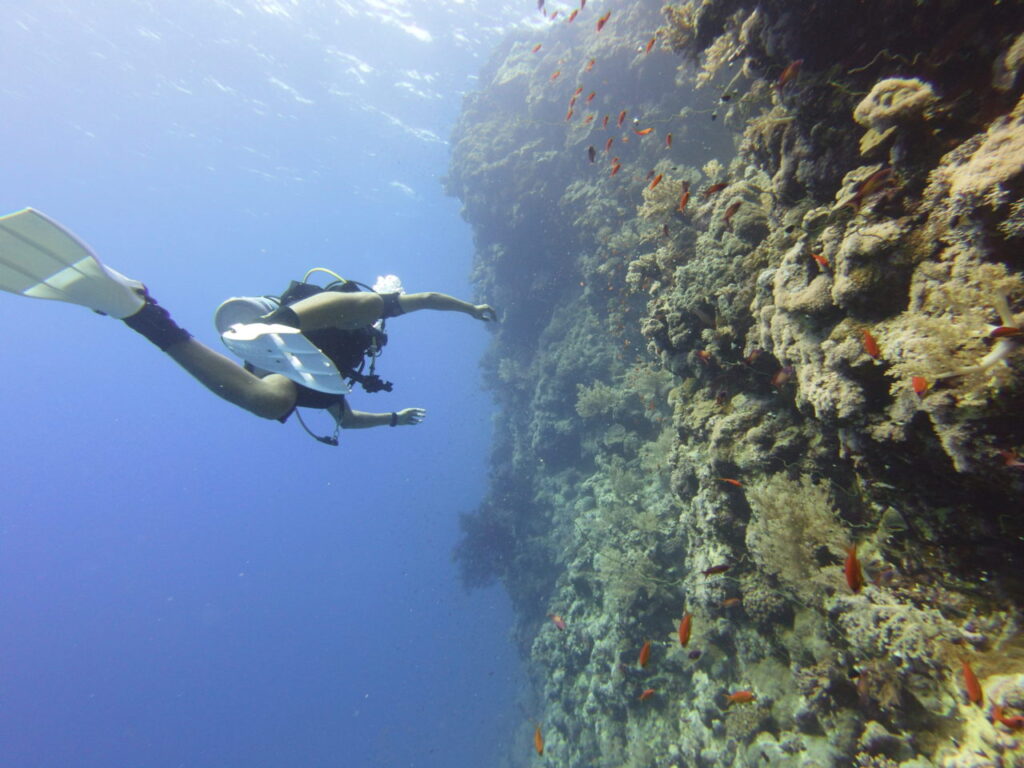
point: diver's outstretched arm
(350, 419)
(413, 302)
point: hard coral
(894, 101)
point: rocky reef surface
(757, 491)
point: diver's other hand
(484, 312)
(409, 416)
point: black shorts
(311, 398)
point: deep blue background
(181, 583)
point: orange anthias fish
(729, 602)
(568, 115)
(590, 96)
(684, 198)
(558, 621)
(555, 75)
(645, 655)
(572, 15)
(622, 118)
(684, 629)
(713, 189)
(643, 131)
(668, 141)
(655, 181)
(616, 165)
(792, 70)
(714, 570)
(646, 694)
(852, 570)
(870, 345)
(536, 48)
(578, 91)
(650, 44)
(604, 121)
(731, 481)
(730, 212)
(1013, 722)
(590, 66)
(868, 187)
(739, 697)
(538, 741)
(588, 119)
(822, 261)
(608, 144)
(919, 384)
(971, 684)
(603, 20)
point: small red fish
(645, 655)
(1011, 459)
(608, 144)
(604, 121)
(642, 131)
(646, 694)
(870, 345)
(868, 187)
(554, 15)
(536, 48)
(729, 602)
(730, 212)
(668, 141)
(704, 356)
(622, 118)
(590, 66)
(650, 44)
(568, 115)
(555, 75)
(578, 91)
(603, 20)
(538, 741)
(792, 70)
(572, 16)
(971, 684)
(685, 624)
(852, 570)
(684, 198)
(714, 570)
(731, 481)
(590, 96)
(713, 189)
(588, 119)
(919, 384)
(782, 376)
(739, 697)
(1013, 722)
(1006, 332)
(822, 261)
(655, 181)
(558, 621)
(616, 165)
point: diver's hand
(410, 416)
(484, 312)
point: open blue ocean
(183, 585)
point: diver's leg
(270, 398)
(331, 309)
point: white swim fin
(283, 349)
(42, 260)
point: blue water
(181, 583)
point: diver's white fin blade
(283, 349)
(42, 260)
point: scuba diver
(304, 348)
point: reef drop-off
(759, 371)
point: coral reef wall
(757, 482)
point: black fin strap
(154, 322)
